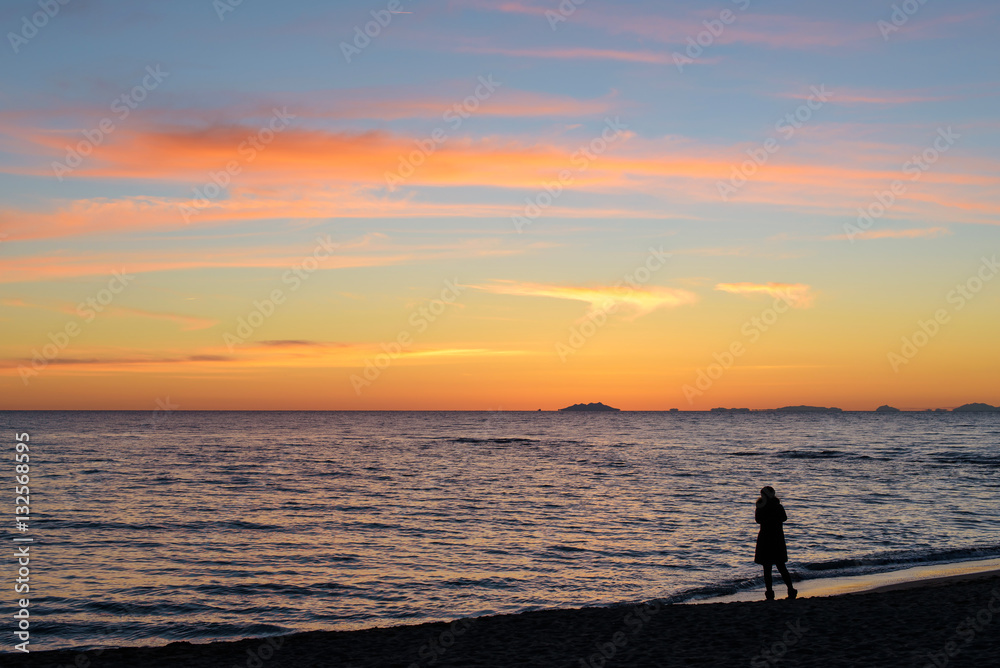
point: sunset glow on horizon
(461, 204)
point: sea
(148, 528)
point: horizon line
(719, 409)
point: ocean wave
(905, 558)
(470, 439)
(965, 458)
(487, 583)
(812, 454)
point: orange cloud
(309, 174)
(796, 295)
(321, 157)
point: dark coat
(771, 538)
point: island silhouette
(589, 407)
(885, 408)
(976, 408)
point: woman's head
(766, 495)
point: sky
(506, 205)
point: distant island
(589, 407)
(976, 408)
(967, 408)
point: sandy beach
(949, 621)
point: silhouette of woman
(771, 548)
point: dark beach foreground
(945, 622)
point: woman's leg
(768, 582)
(788, 580)
(784, 575)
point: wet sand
(949, 621)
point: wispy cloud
(577, 53)
(254, 354)
(915, 233)
(123, 361)
(872, 97)
(505, 7)
(460, 352)
(295, 343)
(370, 251)
(769, 30)
(391, 105)
(797, 295)
(382, 103)
(638, 300)
(188, 323)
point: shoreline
(905, 623)
(894, 580)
